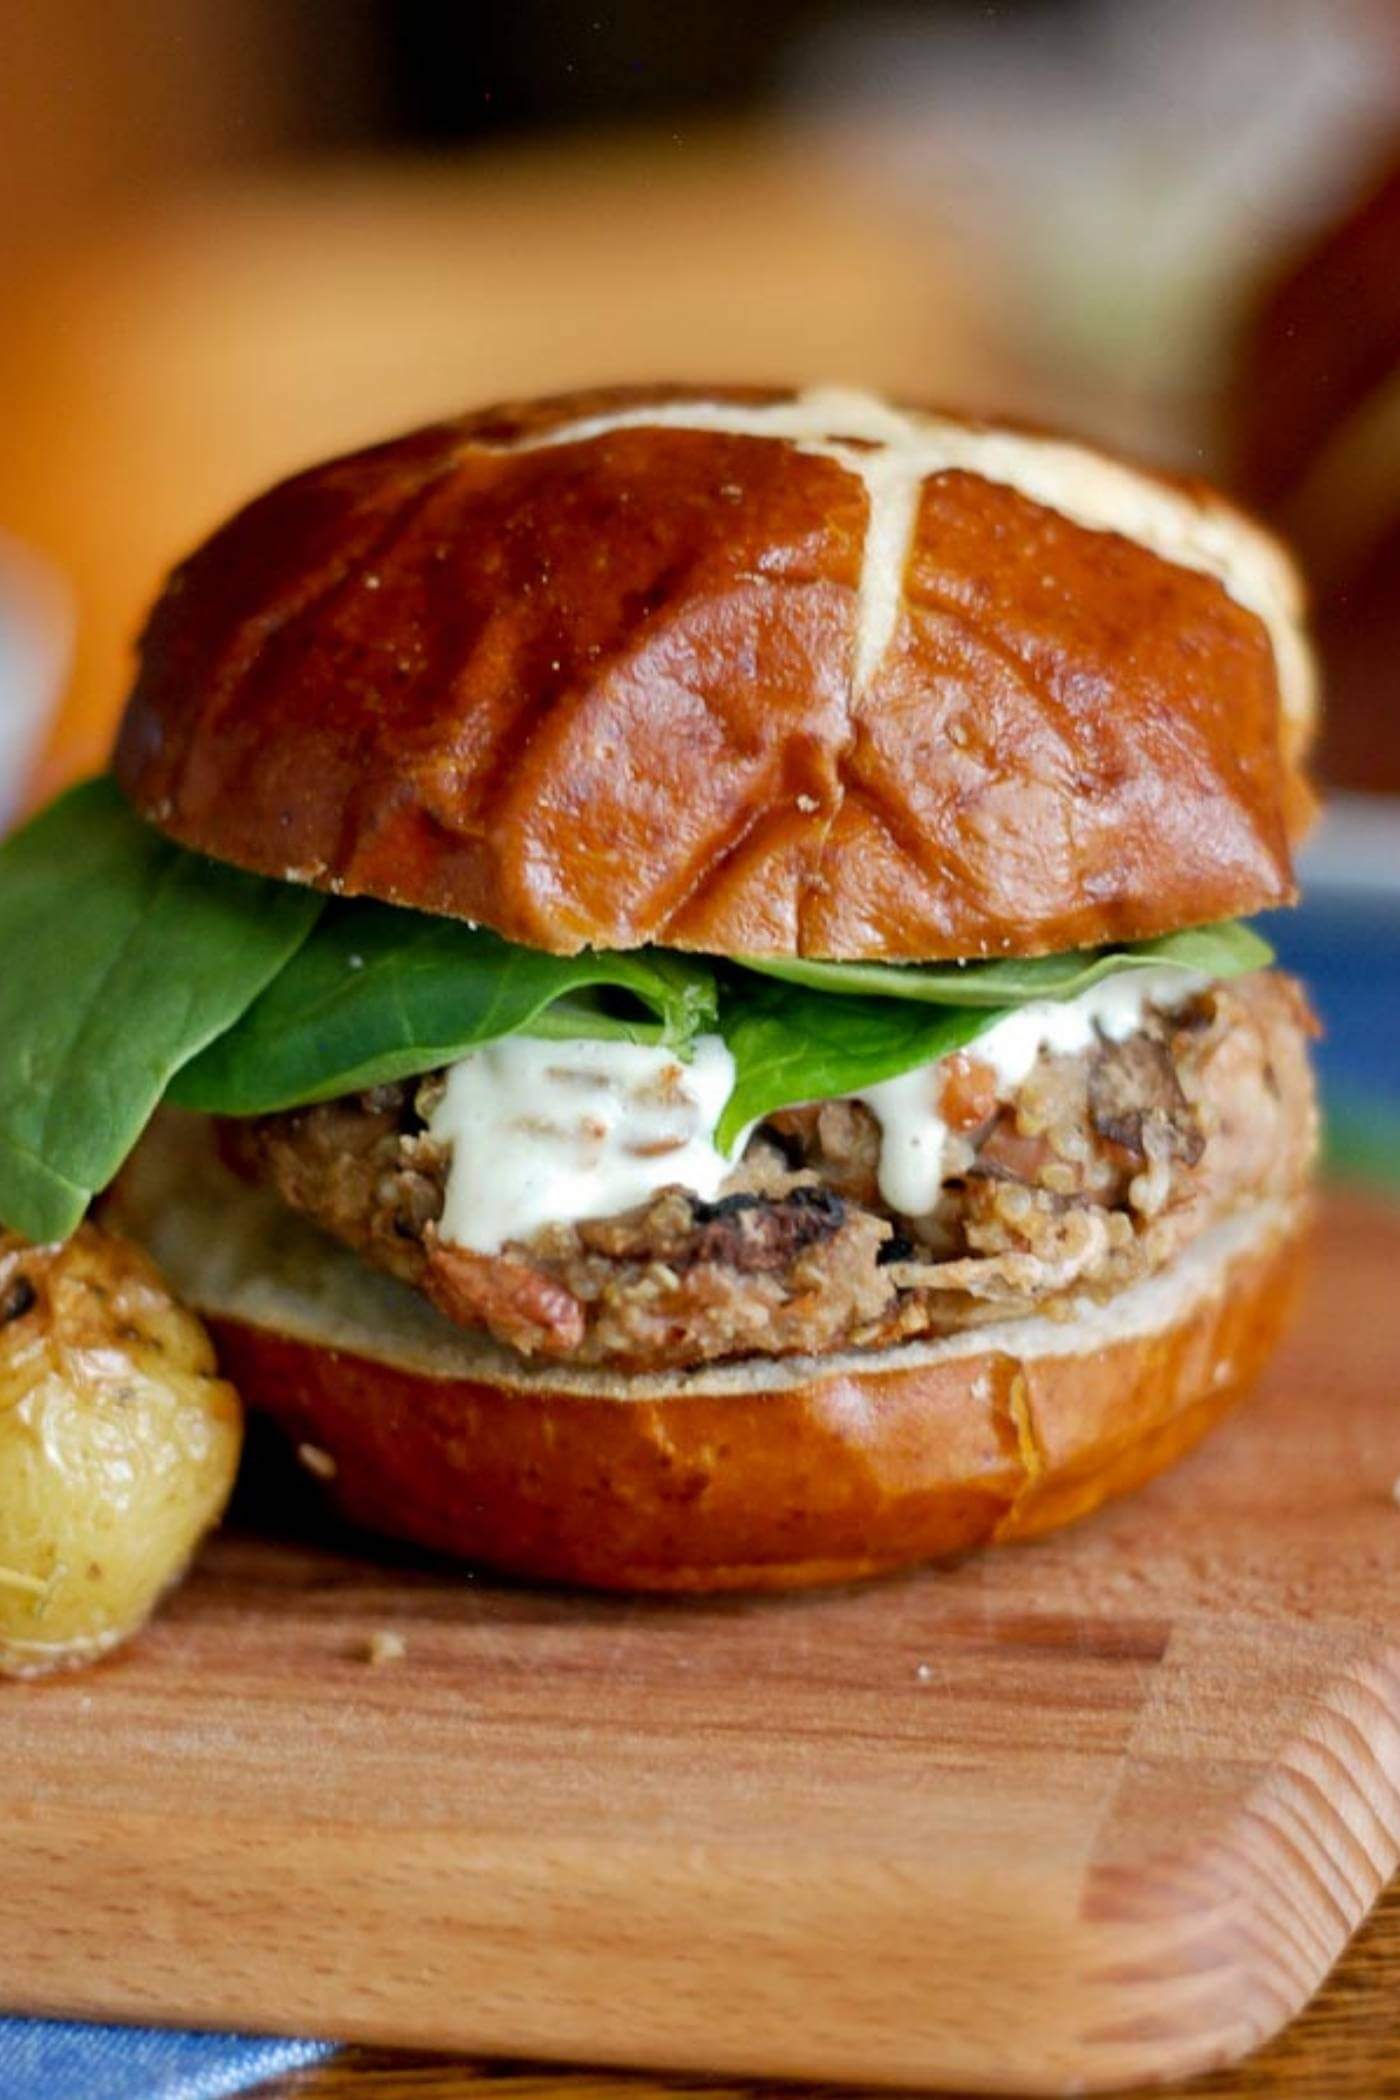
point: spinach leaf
(791, 1044)
(1225, 950)
(805, 1031)
(124, 956)
(381, 993)
(135, 969)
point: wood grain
(1094, 1811)
(1346, 2046)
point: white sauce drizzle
(548, 1133)
(913, 1134)
(906, 448)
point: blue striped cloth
(60, 2060)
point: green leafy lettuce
(137, 971)
(809, 1031)
(1005, 981)
(124, 957)
(379, 993)
(790, 1044)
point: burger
(665, 970)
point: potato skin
(118, 1446)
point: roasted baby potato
(118, 1446)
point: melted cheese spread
(548, 1133)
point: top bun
(738, 670)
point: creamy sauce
(893, 451)
(913, 1134)
(547, 1133)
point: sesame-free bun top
(738, 670)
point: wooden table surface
(271, 1629)
(1345, 2047)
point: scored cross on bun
(738, 671)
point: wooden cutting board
(1077, 1815)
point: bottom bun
(762, 1475)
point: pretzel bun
(757, 1475)
(740, 671)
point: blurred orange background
(239, 234)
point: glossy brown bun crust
(670, 684)
(830, 1476)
